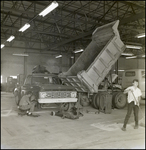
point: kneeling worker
(26, 104)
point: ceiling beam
(132, 29)
(32, 14)
(36, 31)
(29, 19)
(36, 49)
(133, 18)
(124, 21)
(72, 39)
(18, 11)
(67, 10)
(134, 4)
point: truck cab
(47, 88)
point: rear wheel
(17, 97)
(113, 98)
(102, 99)
(17, 100)
(119, 100)
(84, 101)
(94, 101)
(66, 106)
(97, 101)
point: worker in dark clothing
(26, 104)
(71, 114)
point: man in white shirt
(134, 97)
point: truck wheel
(84, 100)
(38, 105)
(119, 100)
(102, 99)
(113, 98)
(66, 106)
(97, 101)
(94, 101)
(17, 98)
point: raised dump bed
(96, 61)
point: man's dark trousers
(129, 111)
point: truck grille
(58, 94)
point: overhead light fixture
(21, 54)
(120, 70)
(25, 27)
(58, 56)
(72, 57)
(143, 55)
(14, 77)
(127, 54)
(78, 51)
(140, 35)
(131, 57)
(2, 45)
(51, 7)
(134, 47)
(11, 38)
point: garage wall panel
(10, 64)
(131, 63)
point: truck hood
(58, 87)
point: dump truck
(93, 67)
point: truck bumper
(57, 100)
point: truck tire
(17, 97)
(17, 100)
(119, 100)
(102, 99)
(38, 105)
(94, 101)
(84, 100)
(66, 106)
(113, 98)
(97, 101)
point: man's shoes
(136, 127)
(52, 113)
(33, 115)
(124, 129)
(29, 114)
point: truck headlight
(73, 94)
(43, 95)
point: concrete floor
(92, 131)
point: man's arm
(127, 90)
(28, 101)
